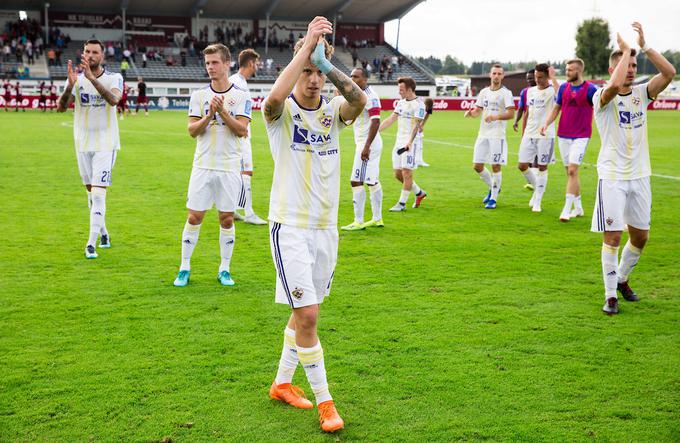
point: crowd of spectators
(22, 43)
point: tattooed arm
(67, 96)
(356, 99)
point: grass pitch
(451, 323)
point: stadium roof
(349, 11)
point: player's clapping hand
(72, 74)
(216, 105)
(85, 69)
(623, 46)
(316, 30)
(551, 72)
(468, 113)
(637, 27)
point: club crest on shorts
(326, 121)
(298, 293)
(610, 221)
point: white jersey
(411, 113)
(624, 154)
(494, 103)
(95, 126)
(540, 103)
(242, 84)
(217, 147)
(305, 146)
(362, 123)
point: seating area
(271, 64)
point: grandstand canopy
(351, 11)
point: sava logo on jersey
(628, 119)
(305, 137)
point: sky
(524, 30)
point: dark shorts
(141, 100)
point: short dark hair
(247, 55)
(496, 65)
(408, 82)
(363, 71)
(542, 67)
(616, 55)
(94, 41)
(429, 105)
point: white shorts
(622, 202)
(418, 148)
(532, 147)
(490, 150)
(405, 160)
(208, 187)
(96, 167)
(305, 263)
(367, 171)
(572, 150)
(246, 154)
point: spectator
(78, 57)
(124, 66)
(390, 71)
(183, 57)
(6, 52)
(51, 57)
(143, 60)
(170, 61)
(126, 55)
(355, 57)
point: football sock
(485, 175)
(97, 214)
(289, 358)
(577, 202)
(248, 196)
(416, 189)
(496, 188)
(376, 201)
(629, 258)
(189, 240)
(404, 196)
(358, 200)
(541, 183)
(312, 360)
(609, 269)
(227, 240)
(529, 176)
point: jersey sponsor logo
(627, 118)
(305, 137)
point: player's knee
(355, 184)
(195, 218)
(612, 239)
(226, 220)
(478, 168)
(306, 318)
(572, 171)
(523, 167)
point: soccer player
(418, 142)
(540, 100)
(366, 168)
(53, 96)
(122, 104)
(496, 105)
(247, 67)
(20, 98)
(218, 118)
(410, 112)
(142, 99)
(303, 128)
(95, 130)
(624, 195)
(42, 88)
(575, 100)
(521, 112)
(7, 94)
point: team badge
(298, 293)
(610, 221)
(232, 102)
(326, 120)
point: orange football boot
(329, 418)
(290, 394)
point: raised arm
(67, 96)
(284, 84)
(666, 70)
(618, 76)
(111, 96)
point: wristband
(319, 59)
(645, 48)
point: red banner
(440, 104)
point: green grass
(452, 323)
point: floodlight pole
(266, 35)
(398, 29)
(124, 25)
(47, 26)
